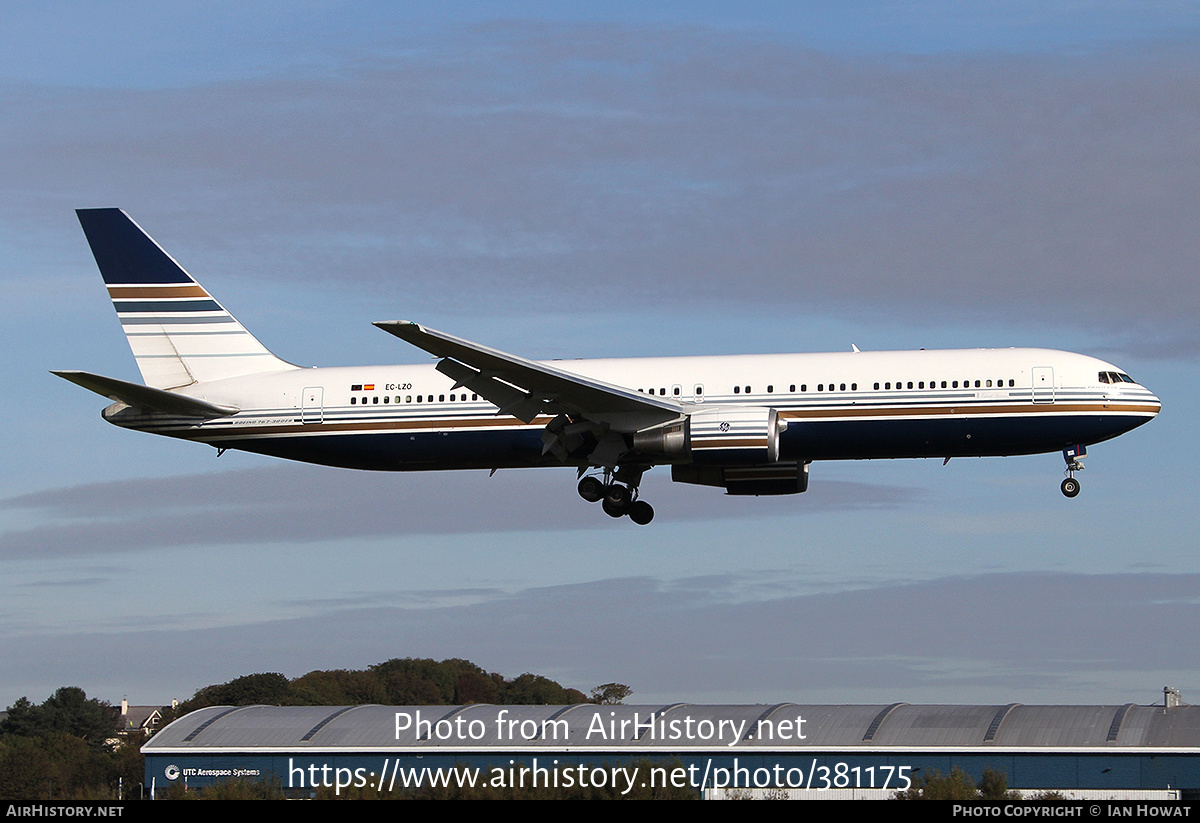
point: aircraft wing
(527, 388)
(146, 397)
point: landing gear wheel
(641, 512)
(619, 496)
(1070, 487)
(612, 509)
(591, 489)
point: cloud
(303, 504)
(1030, 637)
(581, 166)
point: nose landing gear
(1073, 455)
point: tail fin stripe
(142, 320)
(165, 306)
(157, 290)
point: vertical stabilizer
(179, 334)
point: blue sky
(577, 180)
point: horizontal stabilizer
(135, 394)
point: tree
(994, 786)
(270, 688)
(339, 687)
(533, 689)
(958, 785)
(68, 711)
(610, 694)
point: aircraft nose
(1147, 403)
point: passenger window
(737, 389)
(354, 400)
(770, 389)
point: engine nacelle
(716, 435)
(735, 435)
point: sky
(607, 180)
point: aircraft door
(312, 407)
(1043, 384)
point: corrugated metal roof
(587, 726)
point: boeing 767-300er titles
(750, 424)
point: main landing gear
(617, 494)
(1073, 455)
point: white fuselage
(850, 405)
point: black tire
(641, 512)
(619, 496)
(1070, 487)
(611, 509)
(591, 489)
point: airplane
(750, 424)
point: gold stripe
(158, 290)
(732, 443)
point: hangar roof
(588, 727)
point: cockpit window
(1125, 378)
(1103, 377)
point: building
(1107, 749)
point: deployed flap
(524, 388)
(135, 394)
